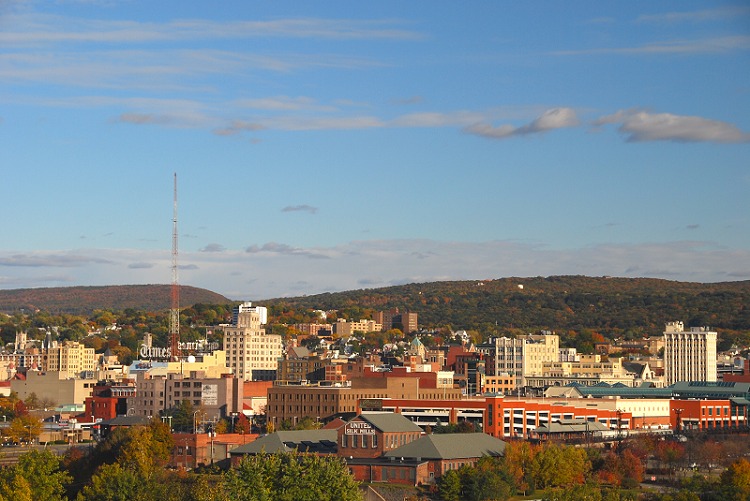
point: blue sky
(325, 146)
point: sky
(324, 146)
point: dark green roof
(625, 392)
(451, 446)
(287, 441)
(390, 422)
(127, 421)
(693, 389)
(711, 389)
(573, 426)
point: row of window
(355, 441)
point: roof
(334, 424)
(127, 421)
(606, 390)
(711, 389)
(562, 391)
(572, 426)
(451, 446)
(390, 422)
(298, 352)
(636, 368)
(323, 441)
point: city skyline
(327, 146)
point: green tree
(307, 423)
(182, 416)
(291, 477)
(32, 401)
(559, 466)
(449, 486)
(138, 472)
(38, 474)
(24, 428)
(735, 481)
(583, 492)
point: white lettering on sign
(154, 353)
(359, 428)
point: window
(364, 441)
(343, 441)
(374, 441)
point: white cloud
(300, 208)
(276, 249)
(36, 29)
(213, 248)
(556, 118)
(641, 125)
(51, 260)
(284, 103)
(700, 46)
(140, 266)
(694, 16)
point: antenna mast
(174, 312)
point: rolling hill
(557, 303)
(84, 300)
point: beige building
(588, 371)
(70, 358)
(54, 387)
(342, 328)
(520, 357)
(689, 355)
(251, 354)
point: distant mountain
(84, 300)
(556, 303)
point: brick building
(328, 399)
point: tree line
(131, 463)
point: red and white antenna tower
(174, 312)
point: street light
(212, 434)
(234, 415)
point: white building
(520, 357)
(689, 355)
(252, 354)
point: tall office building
(520, 357)
(70, 358)
(252, 354)
(689, 355)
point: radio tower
(174, 312)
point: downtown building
(689, 355)
(520, 357)
(252, 354)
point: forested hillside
(84, 300)
(557, 303)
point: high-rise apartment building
(251, 353)
(520, 357)
(689, 355)
(70, 358)
(406, 322)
